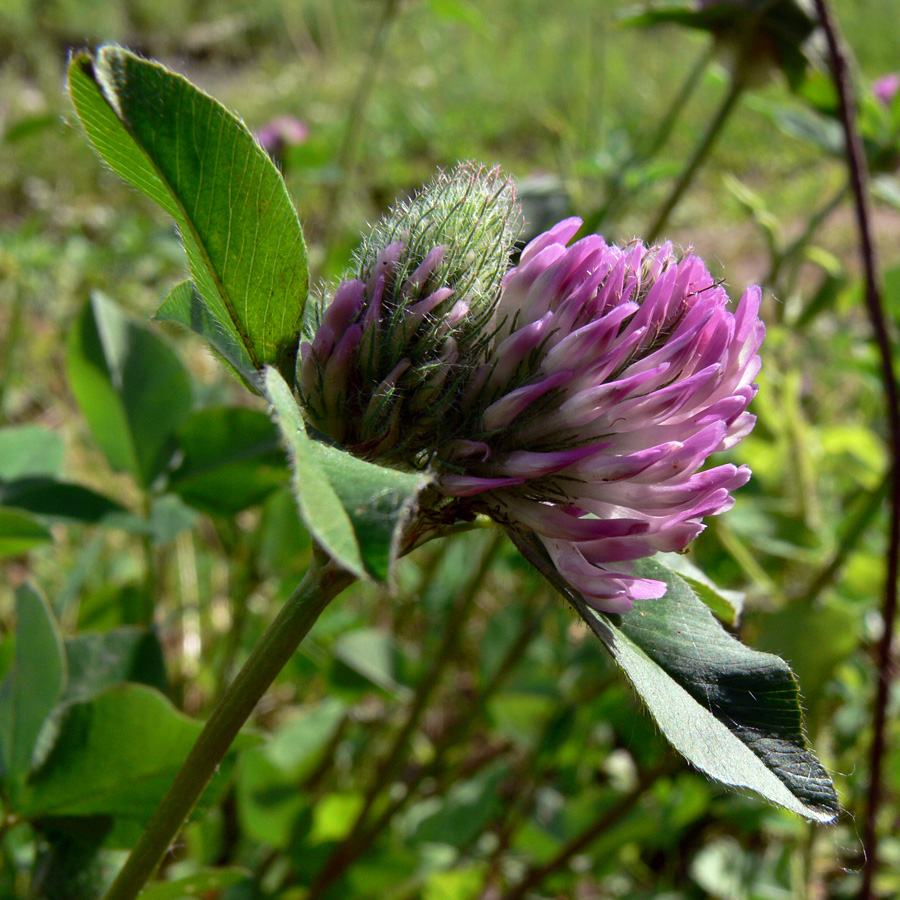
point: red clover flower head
(576, 398)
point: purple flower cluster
(579, 403)
(401, 344)
(614, 374)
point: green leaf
(665, 12)
(7, 653)
(19, 533)
(203, 883)
(731, 711)
(98, 662)
(270, 803)
(455, 884)
(29, 450)
(61, 500)
(355, 509)
(521, 713)
(370, 653)
(185, 307)
(378, 500)
(394, 870)
(111, 605)
(887, 189)
(465, 810)
(29, 126)
(459, 12)
(320, 508)
(270, 806)
(231, 459)
(727, 605)
(824, 133)
(133, 390)
(201, 164)
(169, 517)
(33, 685)
(142, 741)
(333, 816)
(281, 542)
(298, 744)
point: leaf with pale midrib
(731, 711)
(202, 165)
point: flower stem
(859, 177)
(701, 151)
(320, 585)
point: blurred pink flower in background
(282, 132)
(886, 87)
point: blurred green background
(477, 761)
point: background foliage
(464, 737)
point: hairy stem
(321, 584)
(859, 177)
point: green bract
(471, 212)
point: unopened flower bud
(416, 316)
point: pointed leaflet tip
(319, 506)
(201, 164)
(731, 711)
